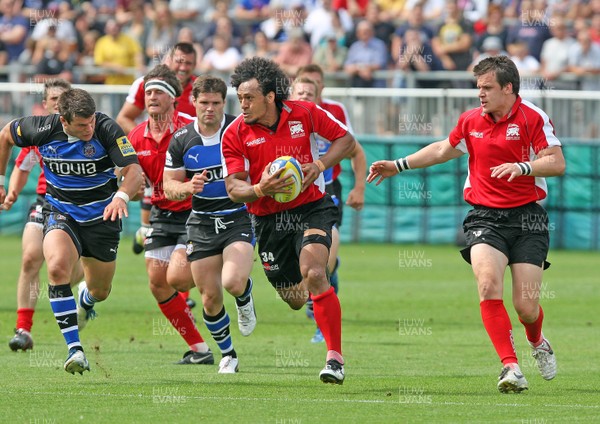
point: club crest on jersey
(89, 150)
(296, 129)
(125, 146)
(189, 249)
(512, 132)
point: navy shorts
(521, 233)
(281, 237)
(167, 228)
(209, 235)
(99, 240)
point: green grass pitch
(413, 341)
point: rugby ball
(293, 170)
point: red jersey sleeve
(232, 150)
(326, 125)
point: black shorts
(99, 241)
(209, 235)
(167, 228)
(520, 233)
(281, 237)
(334, 189)
(36, 212)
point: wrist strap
(321, 165)
(122, 195)
(525, 168)
(401, 164)
(259, 193)
(2, 180)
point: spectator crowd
(115, 41)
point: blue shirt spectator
(365, 56)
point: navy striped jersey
(190, 151)
(80, 174)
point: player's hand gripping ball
(293, 170)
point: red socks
(328, 316)
(497, 324)
(180, 316)
(25, 318)
(533, 330)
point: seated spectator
(584, 61)
(320, 21)
(330, 54)
(595, 28)
(415, 22)
(417, 56)
(433, 10)
(14, 29)
(188, 13)
(493, 27)
(252, 10)
(525, 63)
(139, 26)
(453, 40)
(221, 58)
(260, 47)
(59, 24)
(276, 27)
(227, 27)
(186, 35)
(119, 54)
(365, 56)
(356, 8)
(391, 10)
(555, 55)
(492, 46)
(530, 27)
(294, 53)
(381, 29)
(55, 63)
(162, 34)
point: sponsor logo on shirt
(296, 129)
(256, 142)
(180, 132)
(40, 129)
(512, 132)
(476, 134)
(125, 146)
(144, 153)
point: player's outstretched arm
(432, 154)
(358, 160)
(132, 181)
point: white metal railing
(391, 111)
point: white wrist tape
(2, 180)
(122, 195)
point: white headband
(161, 85)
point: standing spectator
(294, 257)
(166, 263)
(584, 61)
(14, 29)
(294, 53)
(365, 56)
(512, 147)
(555, 55)
(453, 40)
(81, 149)
(219, 231)
(120, 54)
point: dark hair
(184, 47)
(55, 83)
(209, 84)
(269, 75)
(505, 70)
(163, 72)
(311, 68)
(76, 102)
